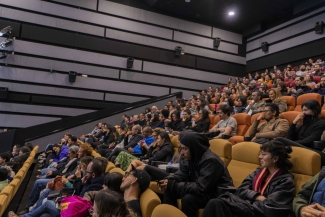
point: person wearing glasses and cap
(198, 177)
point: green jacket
(306, 193)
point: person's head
(279, 80)
(299, 81)
(15, 150)
(136, 129)
(154, 109)
(322, 81)
(24, 150)
(248, 91)
(66, 136)
(175, 116)
(252, 83)
(257, 96)
(142, 116)
(309, 78)
(135, 180)
(4, 158)
(84, 150)
(148, 117)
(147, 131)
(187, 113)
(318, 67)
(274, 154)
(224, 112)
(201, 102)
(165, 113)
(72, 140)
(113, 181)
(204, 92)
(171, 108)
(242, 101)
(193, 145)
(73, 151)
(84, 161)
(156, 132)
(203, 114)
(163, 138)
(95, 169)
(30, 146)
(147, 110)
(3, 174)
(311, 108)
(302, 67)
(271, 111)
(135, 117)
(109, 203)
(233, 90)
(275, 94)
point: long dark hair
(205, 115)
(165, 136)
(113, 182)
(277, 149)
(314, 106)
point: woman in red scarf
(270, 184)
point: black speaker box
(3, 92)
(265, 46)
(72, 76)
(319, 27)
(129, 62)
(216, 42)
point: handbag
(56, 184)
(74, 206)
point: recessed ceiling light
(231, 13)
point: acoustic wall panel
(184, 72)
(186, 93)
(52, 91)
(29, 17)
(34, 76)
(123, 98)
(227, 36)
(204, 42)
(175, 82)
(90, 4)
(22, 121)
(42, 110)
(301, 39)
(151, 17)
(286, 32)
(73, 54)
(55, 65)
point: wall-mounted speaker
(319, 27)
(216, 42)
(129, 62)
(72, 76)
(3, 92)
(265, 46)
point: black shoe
(24, 211)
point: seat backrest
(311, 86)
(216, 119)
(211, 118)
(244, 161)
(316, 79)
(148, 202)
(3, 203)
(213, 100)
(243, 123)
(304, 168)
(95, 154)
(109, 167)
(175, 144)
(222, 148)
(9, 191)
(252, 121)
(211, 107)
(303, 98)
(117, 170)
(291, 102)
(15, 184)
(290, 116)
(164, 210)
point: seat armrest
(319, 145)
(271, 211)
(224, 189)
(247, 138)
(156, 163)
(223, 136)
(53, 194)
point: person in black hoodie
(271, 184)
(309, 131)
(175, 122)
(203, 123)
(198, 177)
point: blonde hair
(278, 95)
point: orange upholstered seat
(290, 116)
(308, 96)
(243, 123)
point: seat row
(10, 190)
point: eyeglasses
(133, 172)
(266, 111)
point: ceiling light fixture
(231, 13)
(187, 1)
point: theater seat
(175, 144)
(148, 202)
(290, 116)
(308, 96)
(9, 191)
(304, 168)
(211, 107)
(109, 167)
(213, 100)
(95, 154)
(291, 102)
(222, 148)
(15, 184)
(211, 118)
(117, 170)
(165, 210)
(244, 161)
(3, 203)
(216, 119)
(243, 123)
(237, 139)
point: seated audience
(23, 155)
(283, 89)
(197, 180)
(3, 178)
(300, 88)
(154, 120)
(320, 87)
(186, 122)
(4, 159)
(273, 126)
(241, 106)
(175, 122)
(202, 125)
(15, 151)
(256, 105)
(142, 119)
(276, 98)
(271, 185)
(161, 123)
(227, 124)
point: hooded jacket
(203, 173)
(309, 131)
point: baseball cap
(143, 178)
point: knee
(188, 199)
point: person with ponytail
(272, 184)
